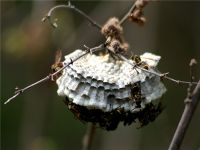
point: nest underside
(110, 120)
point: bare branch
(191, 103)
(72, 7)
(88, 137)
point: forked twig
(88, 137)
(72, 7)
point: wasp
(139, 62)
(136, 94)
(57, 65)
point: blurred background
(39, 120)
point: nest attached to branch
(107, 91)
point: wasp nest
(107, 91)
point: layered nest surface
(107, 91)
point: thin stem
(88, 137)
(50, 76)
(184, 122)
(18, 92)
(179, 81)
(126, 16)
(72, 7)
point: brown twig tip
(44, 19)
(192, 62)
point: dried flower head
(112, 28)
(113, 31)
(137, 14)
(141, 3)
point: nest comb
(107, 91)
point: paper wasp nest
(106, 91)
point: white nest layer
(101, 82)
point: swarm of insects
(107, 91)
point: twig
(95, 49)
(126, 16)
(191, 103)
(72, 7)
(20, 91)
(88, 137)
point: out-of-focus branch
(190, 107)
(88, 137)
(191, 102)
